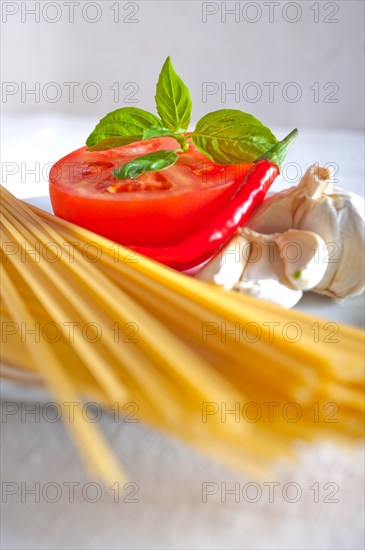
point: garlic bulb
(334, 214)
(276, 268)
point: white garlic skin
(334, 214)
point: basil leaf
(231, 136)
(156, 131)
(152, 162)
(127, 123)
(173, 99)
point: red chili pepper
(199, 247)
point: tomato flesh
(155, 209)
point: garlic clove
(226, 268)
(264, 274)
(264, 256)
(347, 262)
(303, 254)
(319, 216)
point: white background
(302, 43)
(324, 46)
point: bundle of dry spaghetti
(236, 377)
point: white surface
(170, 512)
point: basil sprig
(227, 136)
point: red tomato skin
(78, 184)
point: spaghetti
(180, 349)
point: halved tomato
(155, 209)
